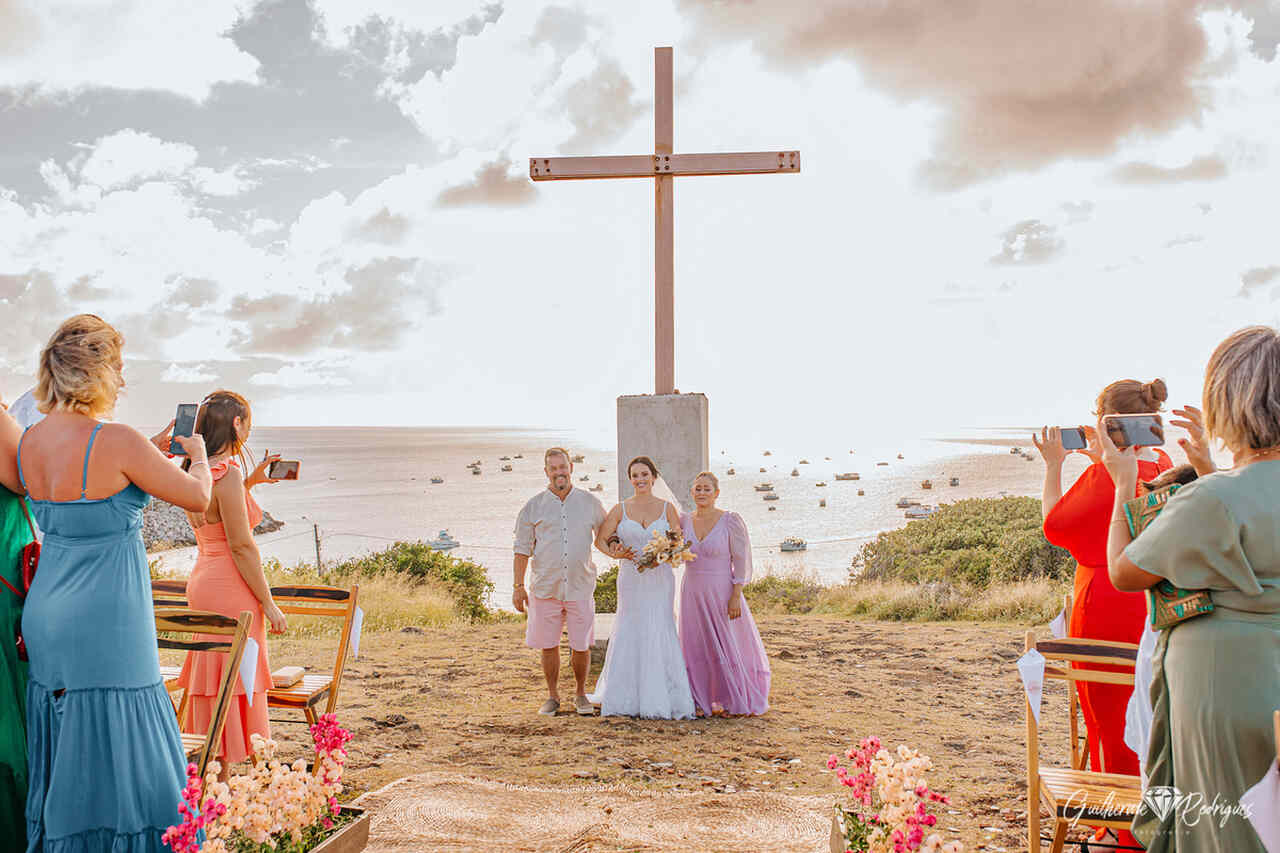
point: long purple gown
(727, 665)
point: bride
(644, 673)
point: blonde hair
(715, 481)
(1241, 397)
(556, 451)
(79, 369)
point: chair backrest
(330, 601)
(1059, 654)
(200, 631)
(1078, 747)
(170, 592)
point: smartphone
(1146, 430)
(282, 470)
(184, 424)
(1073, 438)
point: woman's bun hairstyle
(1131, 397)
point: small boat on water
(820, 484)
(861, 493)
(761, 470)
(601, 471)
(504, 458)
(475, 471)
(917, 512)
(598, 487)
(764, 487)
(437, 480)
(804, 461)
(577, 457)
(851, 475)
(793, 543)
(955, 481)
(773, 509)
(730, 472)
(584, 478)
(506, 467)
(768, 453)
(822, 502)
(795, 472)
(899, 455)
(517, 456)
(771, 496)
(828, 458)
(1015, 450)
(443, 541)
(882, 463)
(903, 503)
(926, 484)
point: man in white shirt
(554, 535)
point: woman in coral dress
(227, 579)
(1079, 521)
(728, 669)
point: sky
(324, 204)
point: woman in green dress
(14, 535)
(1217, 675)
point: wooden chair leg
(1033, 823)
(310, 713)
(1059, 836)
(182, 709)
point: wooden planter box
(353, 837)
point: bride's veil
(663, 491)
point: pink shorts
(548, 618)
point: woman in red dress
(1079, 521)
(228, 578)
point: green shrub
(974, 542)
(782, 594)
(607, 591)
(417, 562)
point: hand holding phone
(184, 424)
(1074, 438)
(1142, 430)
(283, 470)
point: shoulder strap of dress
(21, 478)
(84, 476)
(623, 506)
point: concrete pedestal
(671, 429)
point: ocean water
(363, 488)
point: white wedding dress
(644, 674)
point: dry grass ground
(461, 700)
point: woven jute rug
(452, 812)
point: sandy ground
(460, 704)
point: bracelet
(204, 462)
(613, 540)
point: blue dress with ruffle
(106, 764)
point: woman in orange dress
(228, 578)
(1079, 521)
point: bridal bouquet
(665, 547)
(891, 809)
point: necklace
(1256, 455)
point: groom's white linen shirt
(557, 537)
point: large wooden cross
(663, 166)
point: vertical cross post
(664, 342)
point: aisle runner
(449, 811)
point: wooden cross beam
(663, 165)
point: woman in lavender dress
(728, 669)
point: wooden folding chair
(1078, 744)
(169, 593)
(327, 601)
(205, 632)
(1073, 794)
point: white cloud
(224, 184)
(187, 374)
(128, 44)
(128, 156)
(300, 376)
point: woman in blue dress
(106, 765)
